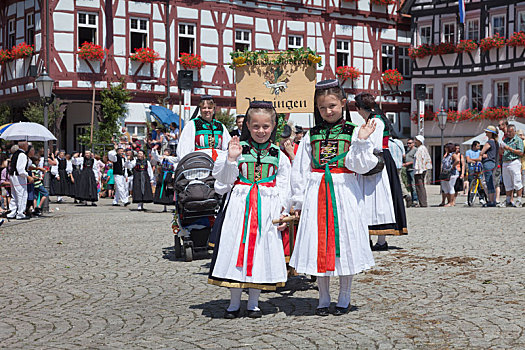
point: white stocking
(345, 287)
(253, 299)
(235, 299)
(381, 240)
(324, 291)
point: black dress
(87, 186)
(142, 192)
(164, 189)
(75, 185)
(61, 187)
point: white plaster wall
(88, 3)
(184, 12)
(64, 22)
(139, 7)
(209, 36)
(64, 42)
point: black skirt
(61, 187)
(164, 189)
(86, 187)
(142, 192)
(400, 226)
(75, 185)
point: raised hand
(234, 149)
(366, 129)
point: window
(295, 41)
(243, 40)
(502, 94)
(387, 57)
(11, 34)
(30, 28)
(137, 129)
(521, 21)
(343, 53)
(498, 25)
(425, 35)
(451, 97)
(138, 34)
(429, 98)
(449, 32)
(187, 38)
(473, 29)
(404, 61)
(476, 96)
(87, 28)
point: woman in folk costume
(142, 180)
(164, 189)
(61, 181)
(203, 132)
(87, 181)
(332, 239)
(249, 250)
(383, 195)
(75, 175)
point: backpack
(446, 167)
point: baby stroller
(196, 204)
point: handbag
(380, 163)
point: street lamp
(44, 84)
(442, 123)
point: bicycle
(476, 187)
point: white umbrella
(27, 132)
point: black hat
(206, 97)
(287, 132)
(203, 98)
(327, 84)
(299, 129)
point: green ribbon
(166, 172)
(248, 197)
(329, 183)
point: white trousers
(121, 190)
(19, 191)
(511, 172)
(448, 186)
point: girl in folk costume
(118, 158)
(332, 239)
(75, 175)
(383, 196)
(61, 181)
(164, 189)
(86, 182)
(203, 132)
(142, 180)
(249, 251)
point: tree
(34, 112)
(5, 114)
(281, 122)
(226, 118)
(113, 102)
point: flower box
(145, 55)
(517, 39)
(392, 77)
(22, 50)
(347, 72)
(5, 56)
(91, 52)
(466, 46)
(444, 48)
(421, 51)
(191, 61)
(492, 42)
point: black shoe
(254, 313)
(23, 218)
(127, 203)
(115, 205)
(322, 311)
(93, 204)
(380, 247)
(339, 311)
(230, 315)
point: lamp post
(44, 84)
(442, 123)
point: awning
(482, 138)
(164, 115)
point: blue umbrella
(164, 115)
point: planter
(22, 50)
(392, 77)
(91, 52)
(145, 55)
(191, 61)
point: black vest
(88, 163)
(62, 163)
(117, 166)
(14, 160)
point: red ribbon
(326, 238)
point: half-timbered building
(361, 33)
(475, 79)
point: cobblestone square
(97, 278)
